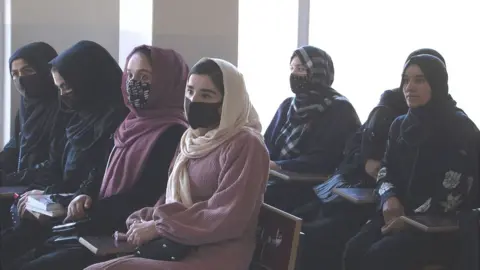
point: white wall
(61, 23)
(195, 28)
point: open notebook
(356, 195)
(429, 223)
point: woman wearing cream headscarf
(215, 190)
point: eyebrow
(204, 90)
(140, 70)
(416, 76)
(208, 90)
(22, 68)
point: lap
(403, 249)
(62, 258)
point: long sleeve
(387, 180)
(323, 151)
(459, 188)
(112, 212)
(375, 135)
(9, 154)
(81, 168)
(273, 129)
(233, 206)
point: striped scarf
(310, 104)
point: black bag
(163, 249)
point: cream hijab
(238, 114)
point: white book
(44, 202)
(51, 213)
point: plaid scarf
(309, 105)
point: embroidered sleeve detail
(384, 188)
(469, 183)
(424, 207)
(382, 173)
(452, 179)
(452, 202)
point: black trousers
(24, 236)
(408, 249)
(5, 216)
(72, 257)
(327, 228)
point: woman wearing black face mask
(41, 126)
(92, 79)
(38, 114)
(309, 131)
(430, 167)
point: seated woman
(145, 144)
(430, 167)
(214, 191)
(330, 221)
(89, 80)
(309, 131)
(40, 122)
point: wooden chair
(278, 240)
(9, 192)
(306, 178)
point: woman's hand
(274, 166)
(22, 202)
(142, 232)
(392, 210)
(372, 167)
(76, 208)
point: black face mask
(202, 114)
(138, 93)
(299, 84)
(31, 86)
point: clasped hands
(139, 233)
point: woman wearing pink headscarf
(216, 187)
(137, 172)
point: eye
(206, 96)
(144, 78)
(129, 75)
(189, 91)
(419, 80)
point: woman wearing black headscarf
(309, 131)
(39, 110)
(89, 80)
(41, 125)
(329, 220)
(430, 167)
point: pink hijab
(138, 133)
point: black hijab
(40, 118)
(95, 78)
(395, 99)
(431, 118)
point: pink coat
(227, 188)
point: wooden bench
(278, 240)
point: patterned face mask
(138, 93)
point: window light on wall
(370, 40)
(267, 38)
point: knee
(353, 254)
